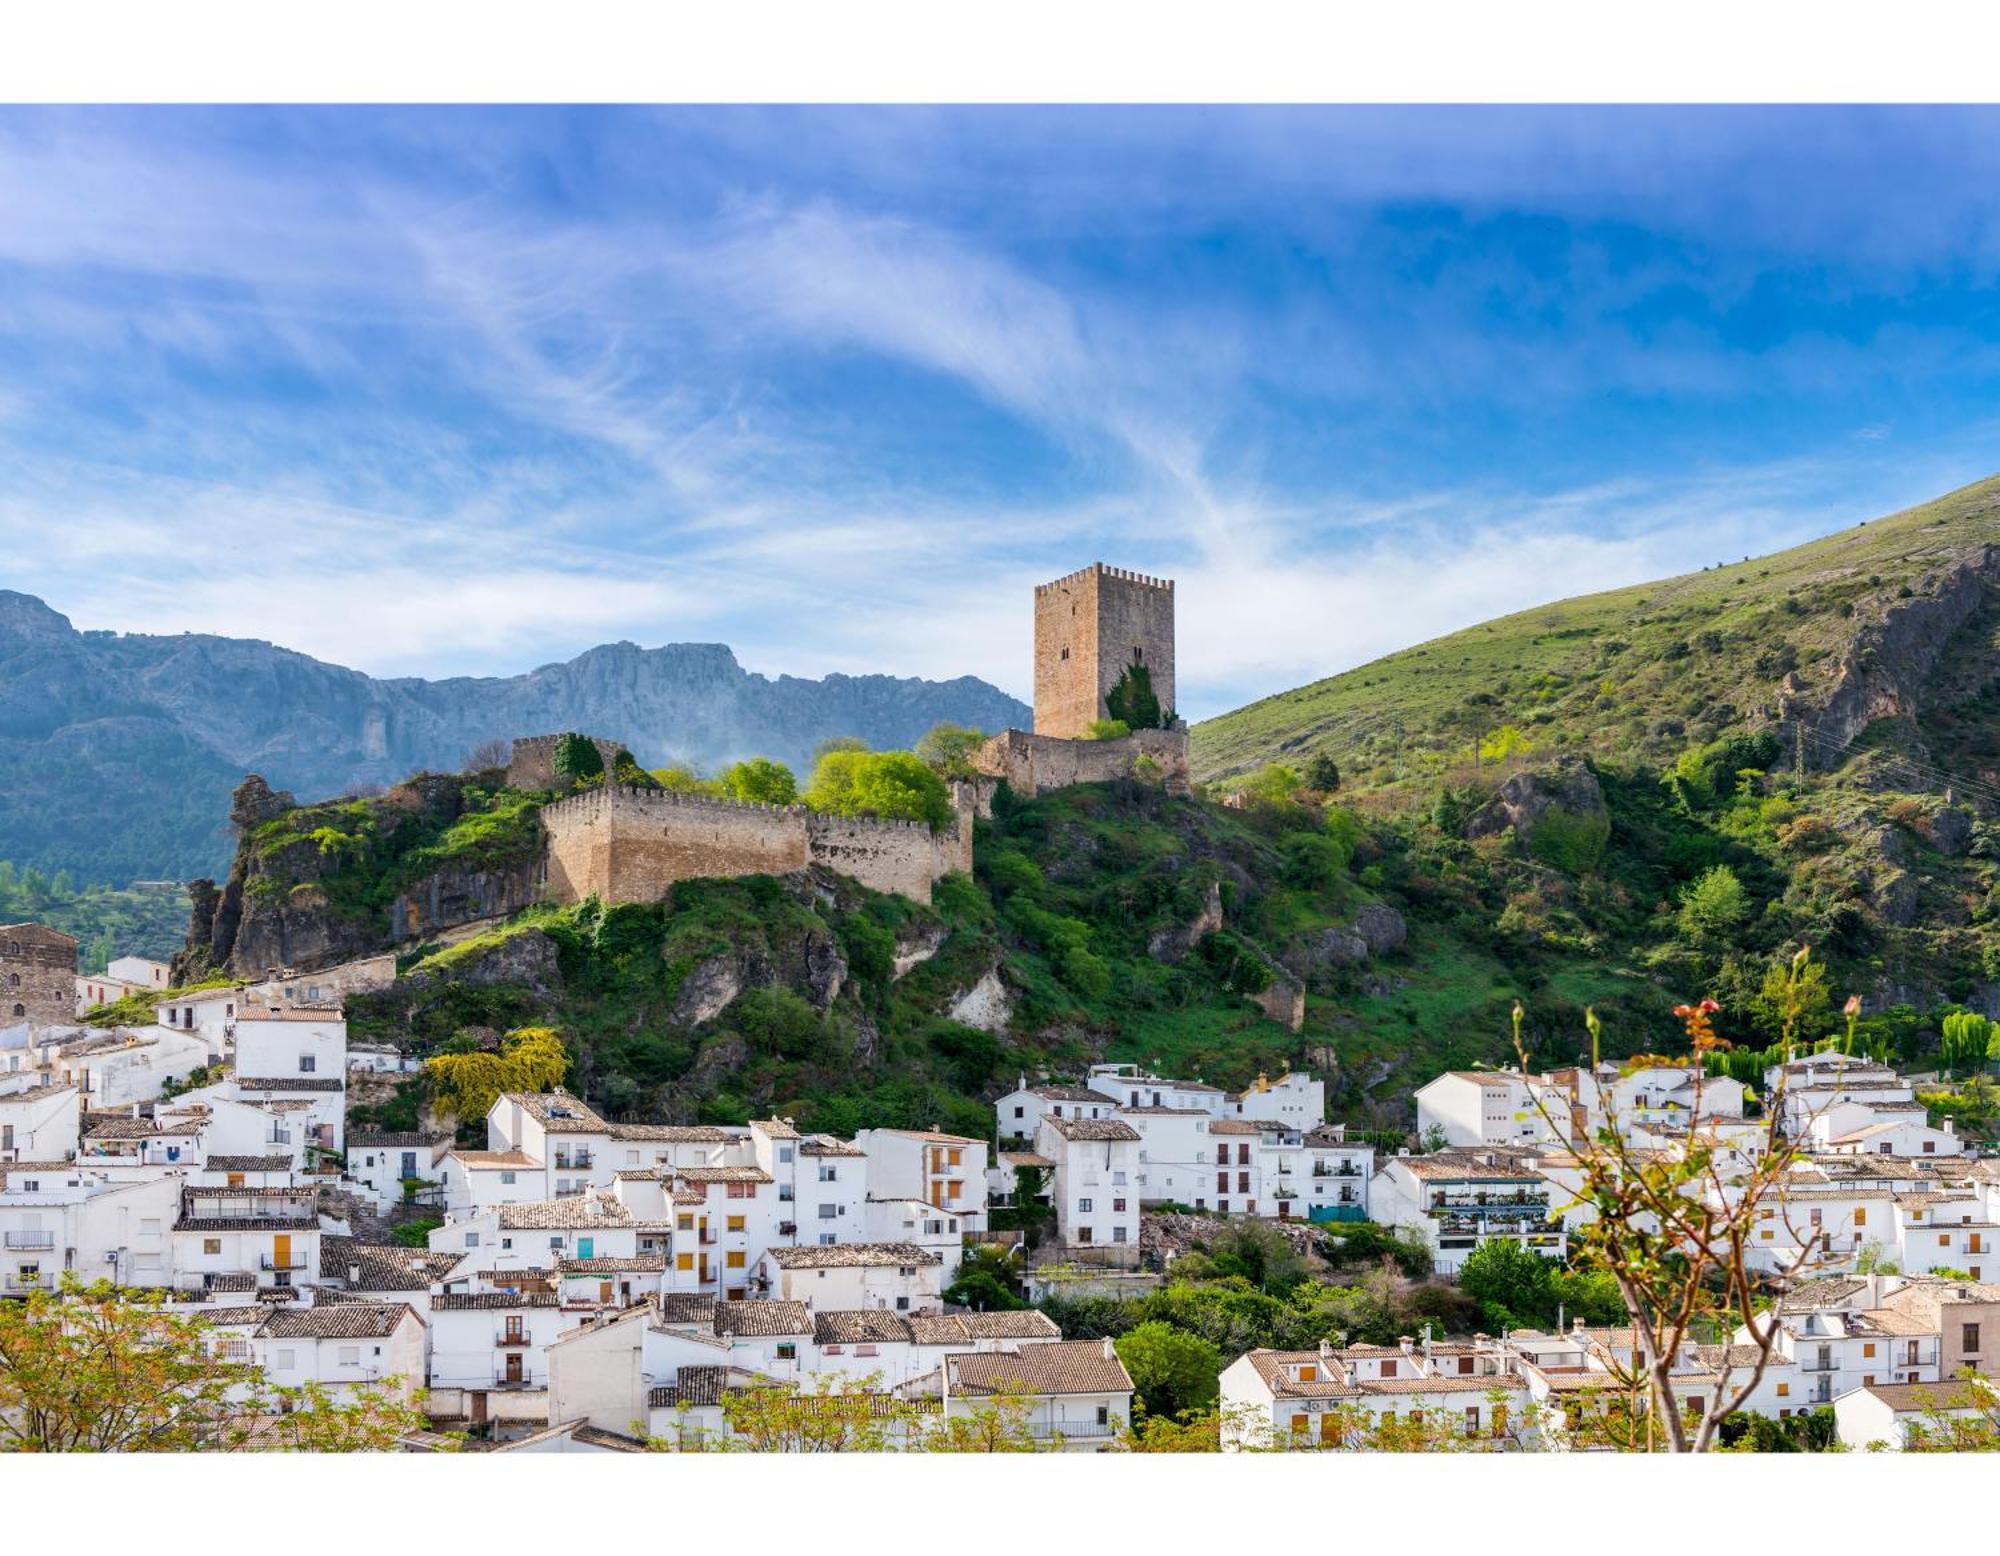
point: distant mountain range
(118, 750)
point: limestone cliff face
(152, 732)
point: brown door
(478, 1408)
(514, 1367)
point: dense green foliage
(1134, 703)
(892, 785)
(107, 922)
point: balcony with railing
(507, 1339)
(275, 1261)
(568, 1160)
(20, 1282)
(524, 1379)
(31, 1242)
(1344, 1170)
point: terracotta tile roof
(687, 1307)
(724, 1175)
(1024, 1159)
(467, 1301)
(1067, 1367)
(1071, 1094)
(37, 1093)
(488, 1161)
(776, 1128)
(670, 1134)
(291, 1083)
(934, 1136)
(1273, 1367)
(1908, 1398)
(837, 1256)
(1242, 1126)
(342, 1321)
(1127, 1110)
(119, 1127)
(1091, 1128)
(383, 1266)
(189, 1223)
(378, 1139)
(231, 1317)
(558, 1111)
(582, 1211)
(859, 1326)
(763, 1318)
(1450, 1384)
(693, 1387)
(249, 1164)
(642, 1264)
(965, 1328)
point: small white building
(344, 1345)
(1075, 1393)
(1094, 1184)
(1022, 1110)
(945, 1170)
(899, 1277)
(1887, 1417)
(1455, 1200)
(40, 1123)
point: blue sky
(464, 391)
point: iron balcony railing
(524, 1380)
(272, 1261)
(29, 1283)
(512, 1337)
(31, 1240)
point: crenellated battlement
(1103, 570)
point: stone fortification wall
(1033, 764)
(631, 845)
(533, 765)
(1089, 627)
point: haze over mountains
(118, 750)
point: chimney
(353, 1275)
(1576, 1326)
(1325, 1351)
(1110, 1350)
(1946, 1126)
(1407, 1343)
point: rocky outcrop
(1377, 930)
(986, 1005)
(452, 897)
(1557, 812)
(1172, 944)
(1883, 672)
(525, 959)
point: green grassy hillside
(1633, 675)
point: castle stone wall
(533, 764)
(37, 975)
(631, 845)
(1089, 627)
(1033, 764)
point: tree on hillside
(947, 749)
(468, 1084)
(1513, 1285)
(1172, 1371)
(1713, 906)
(1273, 784)
(759, 781)
(1323, 774)
(893, 785)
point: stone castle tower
(1089, 628)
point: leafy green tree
(1323, 774)
(1714, 906)
(894, 785)
(947, 749)
(1274, 784)
(1107, 729)
(1512, 1284)
(1172, 1371)
(415, 1234)
(759, 781)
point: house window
(742, 1191)
(1083, 1207)
(1103, 1415)
(784, 1153)
(1784, 1391)
(1118, 1234)
(684, 1223)
(1388, 1368)
(733, 1260)
(683, 1261)
(1860, 1215)
(1868, 1349)
(733, 1223)
(307, 1064)
(350, 1356)
(828, 1173)
(1222, 1183)
(211, 1245)
(788, 1350)
(472, 1239)
(828, 1212)
(507, 1178)
(1968, 1337)
(287, 1360)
